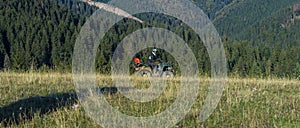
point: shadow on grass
(26, 109)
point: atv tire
(167, 74)
(144, 73)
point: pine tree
(255, 70)
(2, 52)
(18, 57)
(296, 72)
(7, 63)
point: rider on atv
(154, 58)
(153, 66)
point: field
(48, 100)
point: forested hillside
(211, 7)
(41, 32)
(279, 28)
(40, 35)
(236, 20)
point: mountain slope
(41, 35)
(243, 15)
(40, 32)
(211, 7)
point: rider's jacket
(153, 58)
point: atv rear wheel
(144, 73)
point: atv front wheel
(167, 74)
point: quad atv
(157, 70)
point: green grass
(46, 100)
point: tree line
(40, 35)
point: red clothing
(136, 60)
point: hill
(250, 19)
(39, 35)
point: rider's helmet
(154, 51)
(136, 60)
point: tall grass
(46, 100)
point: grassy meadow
(48, 99)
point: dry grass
(46, 100)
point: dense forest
(259, 37)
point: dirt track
(112, 9)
